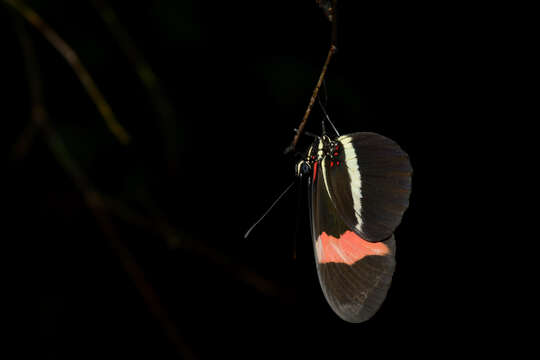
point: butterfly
(359, 188)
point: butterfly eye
(302, 168)
(305, 168)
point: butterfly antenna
(327, 117)
(325, 92)
(308, 133)
(322, 123)
(267, 211)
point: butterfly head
(322, 147)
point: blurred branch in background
(93, 199)
(160, 227)
(21, 147)
(104, 208)
(163, 107)
(73, 60)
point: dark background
(238, 76)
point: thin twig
(93, 199)
(332, 16)
(73, 60)
(311, 101)
(147, 76)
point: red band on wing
(347, 248)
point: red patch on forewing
(347, 249)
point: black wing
(372, 184)
(355, 274)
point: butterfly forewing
(355, 274)
(370, 188)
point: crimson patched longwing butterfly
(359, 188)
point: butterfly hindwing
(355, 274)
